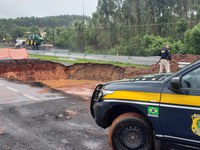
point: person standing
(165, 57)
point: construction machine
(34, 41)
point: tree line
(140, 27)
(123, 27)
(10, 28)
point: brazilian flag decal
(153, 111)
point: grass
(68, 60)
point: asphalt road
(33, 119)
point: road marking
(1, 84)
(12, 89)
(52, 98)
(31, 97)
(57, 97)
(14, 101)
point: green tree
(18, 32)
(181, 27)
(63, 38)
(192, 40)
(79, 28)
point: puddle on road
(45, 90)
(2, 131)
(82, 88)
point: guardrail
(115, 58)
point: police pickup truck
(144, 110)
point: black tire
(130, 131)
(157, 144)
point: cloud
(41, 8)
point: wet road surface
(31, 119)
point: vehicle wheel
(130, 131)
(157, 144)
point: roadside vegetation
(123, 27)
(78, 61)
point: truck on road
(143, 111)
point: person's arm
(169, 56)
(159, 53)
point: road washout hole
(78, 79)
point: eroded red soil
(78, 79)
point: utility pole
(189, 13)
(53, 35)
(83, 46)
(84, 12)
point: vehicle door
(180, 108)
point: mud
(37, 70)
(174, 63)
(78, 79)
(83, 88)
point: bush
(131, 48)
(90, 50)
(148, 45)
(178, 47)
(153, 45)
(192, 40)
(119, 50)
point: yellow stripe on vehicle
(178, 99)
(174, 99)
(135, 96)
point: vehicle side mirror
(175, 83)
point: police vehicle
(145, 110)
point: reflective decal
(134, 96)
(153, 111)
(196, 124)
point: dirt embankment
(34, 70)
(175, 60)
(31, 70)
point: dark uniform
(165, 57)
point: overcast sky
(41, 8)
